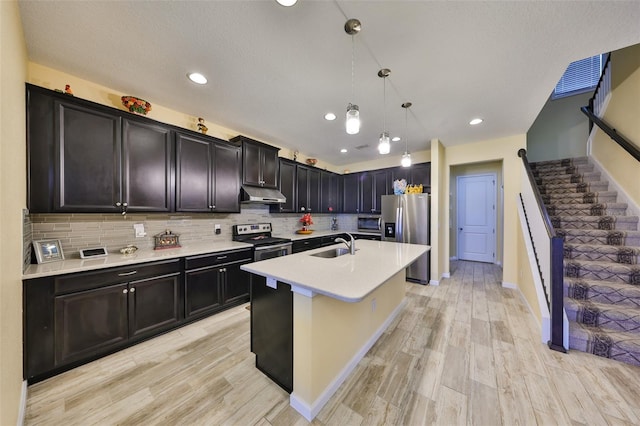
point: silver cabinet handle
(125, 291)
(125, 274)
(210, 207)
(118, 204)
(213, 207)
(132, 290)
(125, 204)
(221, 257)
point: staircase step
(581, 197)
(602, 292)
(620, 223)
(593, 209)
(600, 236)
(564, 162)
(602, 253)
(608, 271)
(603, 315)
(575, 178)
(567, 188)
(620, 346)
(559, 170)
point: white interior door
(477, 217)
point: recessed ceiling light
(475, 121)
(197, 78)
(343, 150)
(287, 3)
(330, 116)
(395, 139)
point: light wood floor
(466, 352)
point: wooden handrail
(613, 134)
(556, 310)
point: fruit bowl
(136, 105)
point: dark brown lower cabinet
(215, 281)
(89, 322)
(72, 319)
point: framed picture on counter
(48, 251)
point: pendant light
(384, 145)
(406, 157)
(352, 123)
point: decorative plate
(136, 105)
(307, 232)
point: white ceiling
(274, 71)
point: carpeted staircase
(601, 258)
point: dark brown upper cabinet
(308, 189)
(288, 186)
(207, 175)
(329, 193)
(373, 185)
(85, 157)
(351, 193)
(259, 163)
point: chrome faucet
(351, 245)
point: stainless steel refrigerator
(405, 219)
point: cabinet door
(194, 174)
(89, 323)
(366, 192)
(287, 186)
(147, 167)
(251, 164)
(302, 188)
(236, 284)
(269, 167)
(351, 191)
(328, 193)
(381, 186)
(154, 304)
(313, 200)
(203, 291)
(87, 168)
(226, 173)
(421, 174)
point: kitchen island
(338, 308)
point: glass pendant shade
(406, 159)
(384, 145)
(353, 119)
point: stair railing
(595, 111)
(549, 249)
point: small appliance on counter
(264, 245)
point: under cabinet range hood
(257, 194)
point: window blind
(580, 76)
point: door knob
(461, 229)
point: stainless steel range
(264, 245)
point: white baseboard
(310, 411)
(22, 410)
(453, 258)
(434, 282)
(446, 275)
(506, 284)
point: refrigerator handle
(399, 224)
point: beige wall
(13, 72)
(54, 79)
(503, 150)
(439, 260)
(623, 114)
(468, 170)
(385, 161)
(560, 130)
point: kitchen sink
(334, 252)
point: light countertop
(349, 278)
(75, 264)
(294, 237)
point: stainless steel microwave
(368, 223)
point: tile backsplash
(114, 231)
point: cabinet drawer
(306, 244)
(211, 259)
(94, 279)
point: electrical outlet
(217, 228)
(139, 228)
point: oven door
(269, 252)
